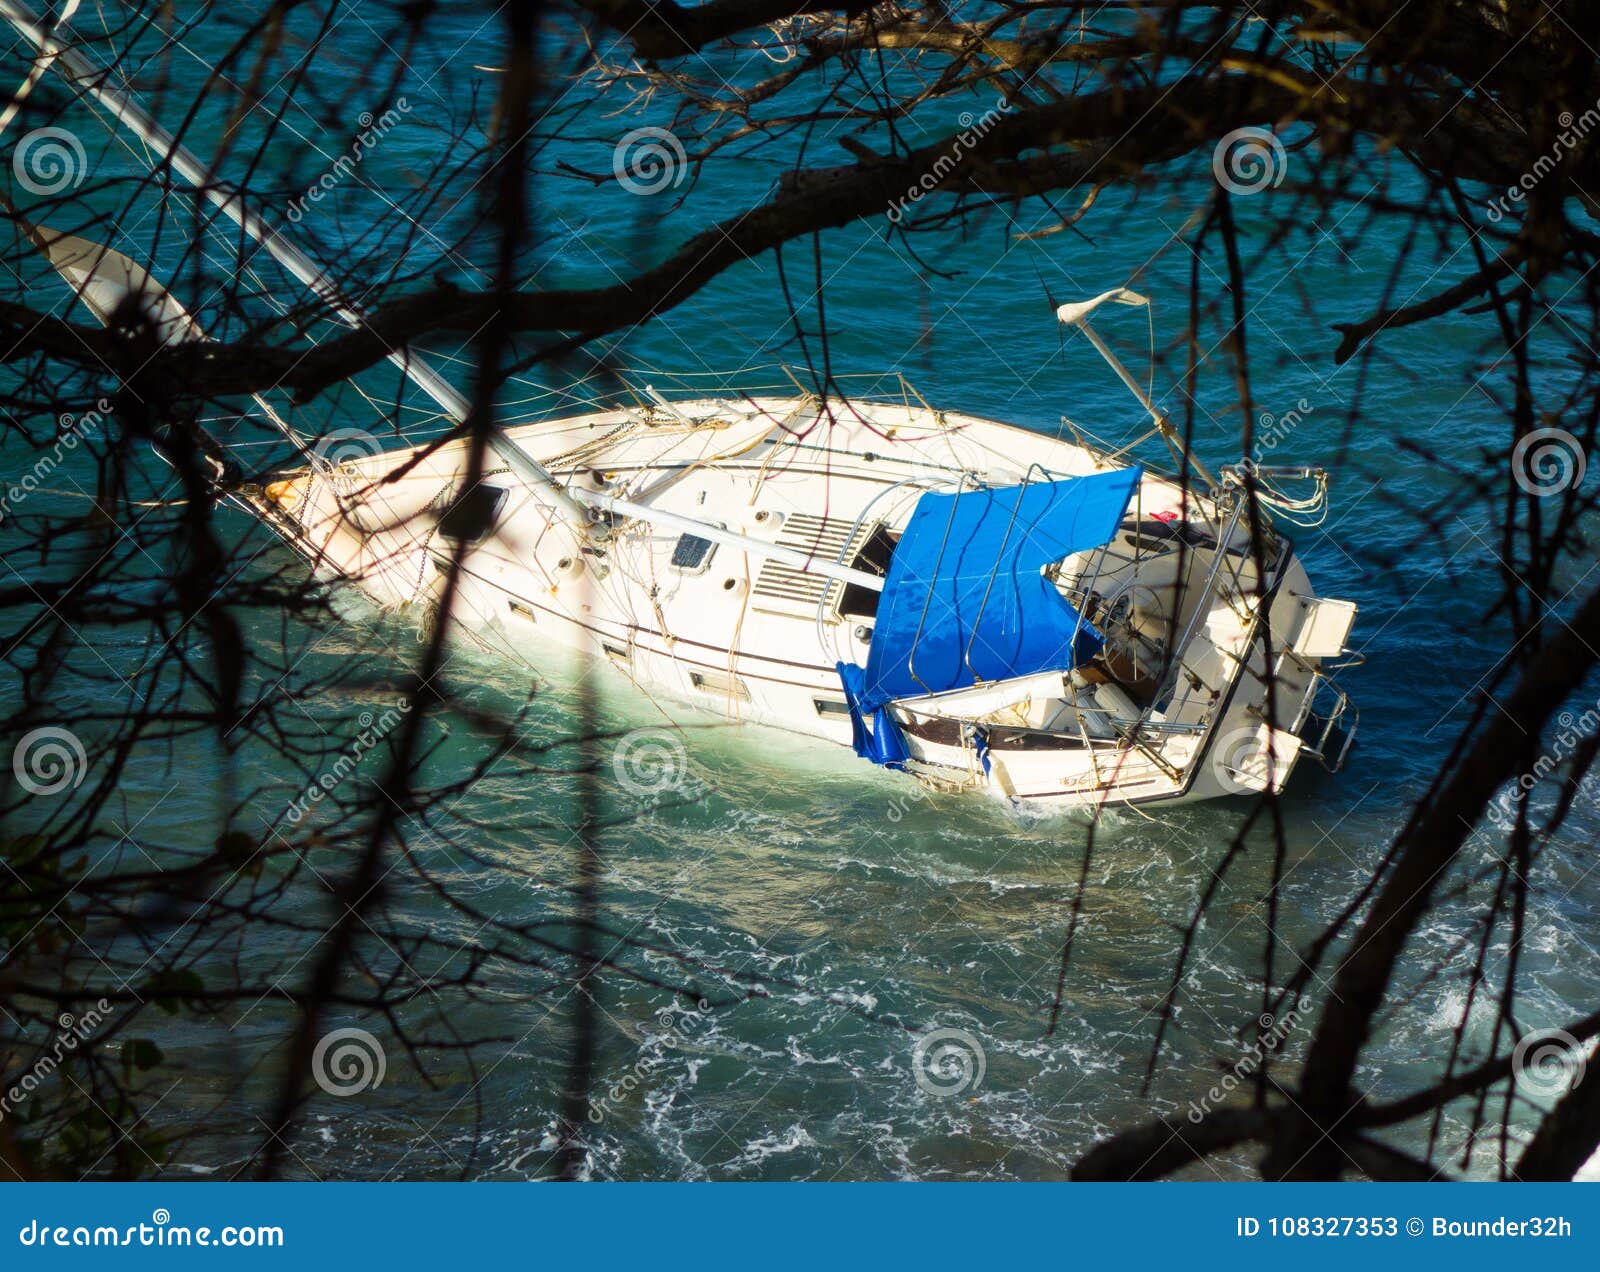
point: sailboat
(977, 606)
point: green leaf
(168, 986)
(140, 1053)
(235, 846)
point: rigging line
(282, 118)
(41, 65)
(735, 450)
(86, 77)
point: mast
(85, 74)
(575, 505)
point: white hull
(1207, 679)
(758, 638)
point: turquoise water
(866, 912)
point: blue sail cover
(879, 738)
(966, 598)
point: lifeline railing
(1093, 570)
(1331, 722)
(922, 619)
(850, 546)
(988, 589)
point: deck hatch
(783, 589)
(692, 554)
(472, 513)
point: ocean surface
(869, 912)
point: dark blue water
(865, 911)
